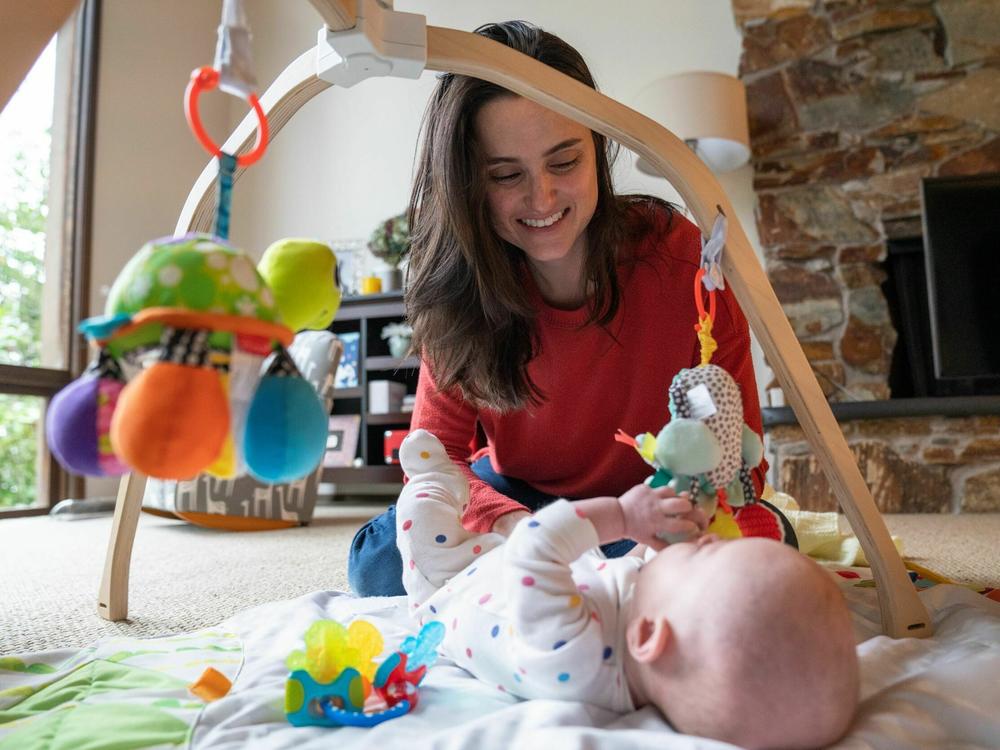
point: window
(44, 177)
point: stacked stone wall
(911, 465)
(851, 104)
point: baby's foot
(421, 452)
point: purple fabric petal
(71, 426)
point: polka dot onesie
(539, 615)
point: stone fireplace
(852, 103)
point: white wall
(344, 162)
(145, 157)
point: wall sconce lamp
(707, 110)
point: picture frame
(342, 440)
(347, 369)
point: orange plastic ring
(206, 78)
(697, 297)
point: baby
(746, 641)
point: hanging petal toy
(177, 388)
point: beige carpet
(963, 548)
(185, 578)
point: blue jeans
(374, 567)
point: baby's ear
(647, 638)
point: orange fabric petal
(171, 421)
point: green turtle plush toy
(192, 373)
(298, 272)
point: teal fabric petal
(286, 429)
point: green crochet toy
(705, 448)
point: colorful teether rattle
(335, 681)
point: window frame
(74, 241)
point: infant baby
(744, 641)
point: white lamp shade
(708, 110)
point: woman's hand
(649, 513)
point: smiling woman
(548, 311)
(541, 196)
(490, 160)
(44, 144)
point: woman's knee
(374, 567)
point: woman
(549, 312)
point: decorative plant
(398, 336)
(397, 330)
(391, 240)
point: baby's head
(745, 641)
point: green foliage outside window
(20, 420)
(22, 273)
(22, 253)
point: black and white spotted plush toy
(708, 450)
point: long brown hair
(466, 300)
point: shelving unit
(367, 315)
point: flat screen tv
(961, 222)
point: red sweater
(593, 384)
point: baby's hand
(652, 514)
